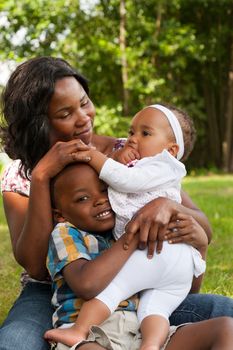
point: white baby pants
(164, 281)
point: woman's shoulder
(13, 181)
(107, 144)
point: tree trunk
(228, 142)
(214, 135)
(124, 64)
(158, 21)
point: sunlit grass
(9, 271)
(214, 195)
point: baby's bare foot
(67, 336)
(149, 347)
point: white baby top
(131, 188)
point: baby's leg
(154, 331)
(154, 309)
(137, 274)
(126, 283)
(97, 310)
(93, 312)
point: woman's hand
(59, 155)
(151, 221)
(185, 229)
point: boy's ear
(57, 216)
(173, 149)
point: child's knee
(224, 329)
(226, 324)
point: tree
(134, 54)
(124, 63)
(228, 143)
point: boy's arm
(87, 278)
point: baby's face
(150, 132)
(82, 199)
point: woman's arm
(30, 223)
(15, 207)
(152, 221)
(191, 209)
(30, 219)
(80, 274)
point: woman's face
(70, 112)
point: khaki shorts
(119, 332)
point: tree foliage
(175, 51)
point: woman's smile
(86, 130)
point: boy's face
(82, 199)
(150, 133)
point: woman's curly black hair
(24, 128)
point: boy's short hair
(53, 184)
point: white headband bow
(175, 127)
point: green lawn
(214, 194)
(9, 270)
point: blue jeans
(29, 318)
(199, 307)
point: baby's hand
(126, 155)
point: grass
(9, 270)
(213, 194)
(9, 276)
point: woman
(47, 109)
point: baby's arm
(146, 176)
(122, 155)
(97, 159)
(154, 171)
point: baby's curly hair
(187, 127)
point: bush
(109, 121)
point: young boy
(157, 137)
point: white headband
(175, 127)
